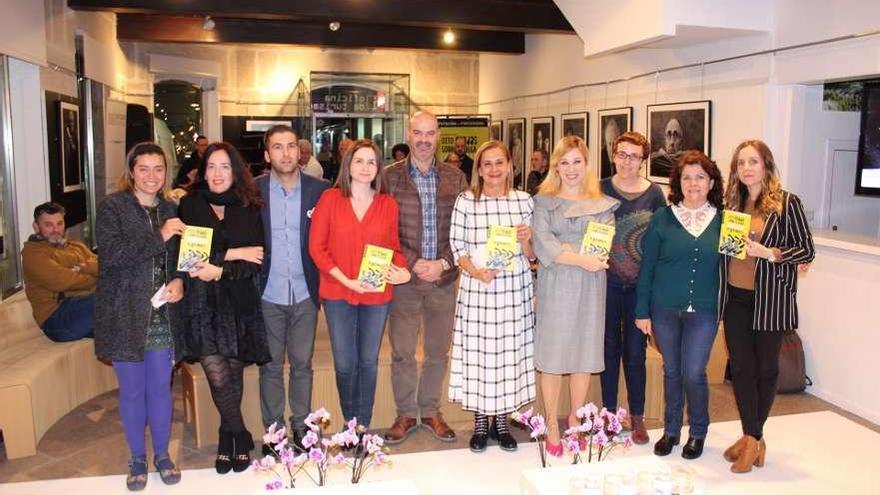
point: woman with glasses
(639, 199)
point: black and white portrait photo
(576, 124)
(496, 131)
(674, 128)
(515, 143)
(612, 123)
(542, 134)
(71, 168)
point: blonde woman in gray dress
(571, 286)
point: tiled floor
(89, 441)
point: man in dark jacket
(290, 281)
(426, 191)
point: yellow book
(734, 233)
(597, 240)
(374, 264)
(195, 246)
(501, 247)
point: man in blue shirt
(290, 281)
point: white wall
(767, 96)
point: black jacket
(127, 243)
(312, 188)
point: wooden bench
(41, 380)
(200, 409)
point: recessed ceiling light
(334, 26)
(449, 37)
(209, 24)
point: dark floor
(89, 440)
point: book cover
(597, 240)
(195, 246)
(501, 247)
(374, 264)
(734, 234)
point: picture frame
(673, 128)
(69, 156)
(577, 124)
(611, 122)
(868, 160)
(496, 130)
(516, 141)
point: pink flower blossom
(572, 444)
(338, 459)
(380, 458)
(316, 455)
(600, 439)
(310, 439)
(352, 424)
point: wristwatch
(772, 257)
(444, 264)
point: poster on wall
(674, 128)
(71, 168)
(576, 124)
(612, 123)
(461, 135)
(496, 130)
(515, 134)
(868, 163)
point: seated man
(59, 277)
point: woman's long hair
(552, 184)
(694, 157)
(477, 180)
(770, 199)
(243, 185)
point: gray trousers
(290, 331)
(415, 304)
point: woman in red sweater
(356, 213)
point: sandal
(167, 470)
(137, 474)
(242, 445)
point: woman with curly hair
(677, 295)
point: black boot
(500, 432)
(693, 448)
(243, 445)
(481, 433)
(665, 444)
(223, 464)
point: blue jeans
(73, 319)
(623, 340)
(685, 340)
(355, 337)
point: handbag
(792, 365)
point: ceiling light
(209, 24)
(449, 37)
(334, 26)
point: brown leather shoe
(439, 428)
(732, 453)
(752, 454)
(639, 433)
(402, 427)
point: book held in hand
(597, 240)
(734, 234)
(374, 264)
(501, 247)
(195, 247)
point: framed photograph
(496, 130)
(576, 124)
(674, 128)
(516, 129)
(71, 168)
(612, 123)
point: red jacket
(337, 239)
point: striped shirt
(776, 283)
(426, 183)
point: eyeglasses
(632, 157)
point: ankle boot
(500, 432)
(223, 464)
(751, 454)
(243, 445)
(732, 452)
(665, 444)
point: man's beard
(57, 240)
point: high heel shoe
(762, 452)
(732, 453)
(243, 444)
(752, 455)
(223, 463)
(554, 449)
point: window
(10, 266)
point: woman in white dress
(492, 372)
